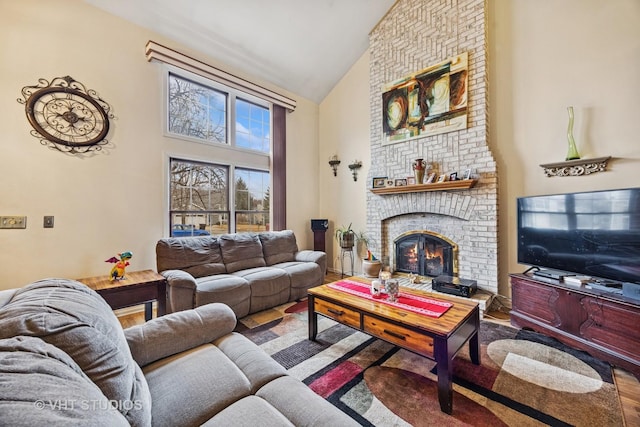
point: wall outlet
(13, 222)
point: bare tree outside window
(196, 110)
(199, 198)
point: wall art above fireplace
(429, 102)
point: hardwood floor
(628, 385)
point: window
(253, 126)
(196, 110)
(251, 200)
(199, 195)
(199, 111)
(207, 104)
(218, 197)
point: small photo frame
(411, 180)
(389, 183)
(442, 178)
(401, 182)
(453, 176)
(430, 178)
(467, 174)
(379, 182)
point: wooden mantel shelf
(463, 184)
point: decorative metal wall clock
(66, 116)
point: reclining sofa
(65, 360)
(249, 272)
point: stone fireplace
(412, 36)
(425, 253)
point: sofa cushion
(256, 365)
(199, 256)
(250, 411)
(189, 388)
(74, 318)
(309, 410)
(269, 287)
(41, 385)
(278, 246)
(302, 274)
(241, 251)
(225, 288)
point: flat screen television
(593, 233)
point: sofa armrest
(5, 296)
(318, 257)
(179, 278)
(177, 332)
(181, 289)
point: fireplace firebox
(426, 254)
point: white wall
(344, 130)
(114, 200)
(548, 55)
(543, 57)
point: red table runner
(427, 306)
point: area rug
(525, 378)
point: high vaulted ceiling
(303, 46)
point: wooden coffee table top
(443, 325)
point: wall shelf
(463, 184)
(576, 167)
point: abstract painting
(429, 102)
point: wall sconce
(354, 168)
(334, 162)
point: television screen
(592, 233)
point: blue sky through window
(252, 126)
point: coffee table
(438, 339)
(137, 287)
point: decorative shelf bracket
(576, 167)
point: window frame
(232, 94)
(217, 154)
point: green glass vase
(572, 154)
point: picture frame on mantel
(379, 182)
(428, 102)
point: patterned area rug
(525, 378)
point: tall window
(219, 197)
(252, 200)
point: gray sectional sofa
(249, 272)
(66, 361)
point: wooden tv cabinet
(604, 324)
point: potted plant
(345, 237)
(371, 266)
(362, 244)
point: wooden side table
(138, 287)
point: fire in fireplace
(425, 253)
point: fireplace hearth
(426, 254)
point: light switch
(48, 221)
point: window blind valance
(158, 52)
